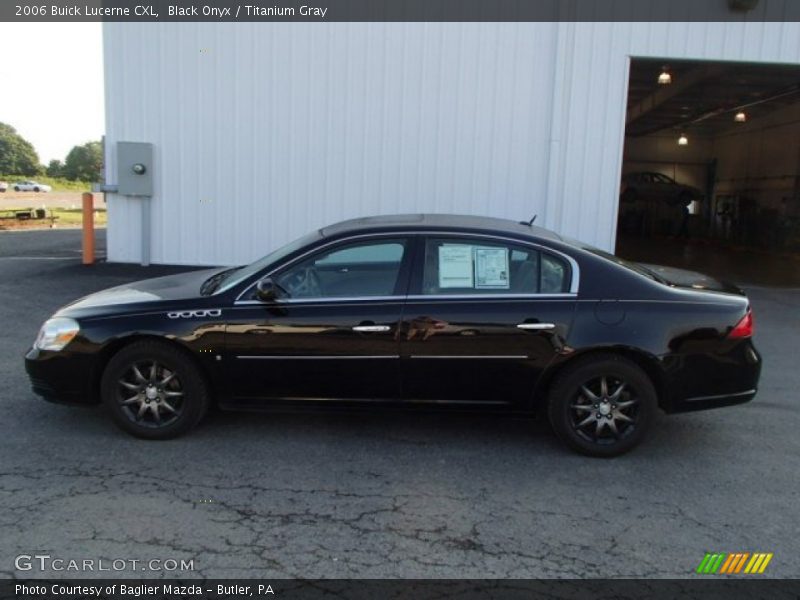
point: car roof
(444, 222)
(647, 173)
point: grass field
(64, 217)
(67, 216)
(59, 184)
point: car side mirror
(269, 291)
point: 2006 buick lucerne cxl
(410, 311)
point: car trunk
(692, 279)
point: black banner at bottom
(418, 589)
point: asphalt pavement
(382, 495)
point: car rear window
(630, 265)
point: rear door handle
(536, 326)
(372, 328)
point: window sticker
(491, 269)
(455, 266)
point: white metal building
(263, 131)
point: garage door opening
(711, 168)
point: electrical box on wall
(135, 168)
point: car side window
(360, 269)
(456, 266)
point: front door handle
(371, 328)
(536, 326)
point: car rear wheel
(154, 390)
(602, 405)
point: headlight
(56, 333)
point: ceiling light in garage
(683, 140)
(665, 78)
(741, 117)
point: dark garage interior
(711, 169)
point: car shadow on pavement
(384, 431)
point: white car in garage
(31, 186)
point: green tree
(84, 163)
(17, 155)
(55, 168)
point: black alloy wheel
(152, 400)
(604, 410)
(154, 390)
(602, 405)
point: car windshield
(233, 277)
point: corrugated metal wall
(265, 131)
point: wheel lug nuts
(597, 406)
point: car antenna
(529, 223)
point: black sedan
(657, 186)
(410, 311)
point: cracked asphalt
(383, 495)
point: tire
(16, 188)
(584, 422)
(154, 405)
(36, 189)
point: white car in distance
(31, 186)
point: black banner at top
(400, 10)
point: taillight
(744, 328)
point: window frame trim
(417, 239)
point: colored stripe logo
(734, 563)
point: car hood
(692, 279)
(183, 286)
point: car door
(485, 316)
(333, 332)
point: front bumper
(60, 378)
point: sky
(52, 84)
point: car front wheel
(154, 390)
(602, 405)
